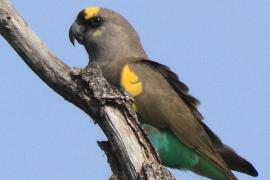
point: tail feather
(232, 159)
(236, 162)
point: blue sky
(220, 49)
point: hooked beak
(75, 33)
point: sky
(220, 49)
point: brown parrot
(167, 112)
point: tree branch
(129, 152)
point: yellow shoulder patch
(130, 82)
(90, 12)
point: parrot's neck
(117, 49)
(116, 56)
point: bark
(129, 153)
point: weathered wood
(129, 152)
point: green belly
(173, 153)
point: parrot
(166, 110)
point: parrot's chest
(131, 83)
(148, 112)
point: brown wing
(232, 159)
(161, 105)
(181, 89)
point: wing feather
(181, 88)
(169, 105)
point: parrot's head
(105, 34)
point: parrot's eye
(96, 21)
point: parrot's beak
(75, 33)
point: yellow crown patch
(90, 12)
